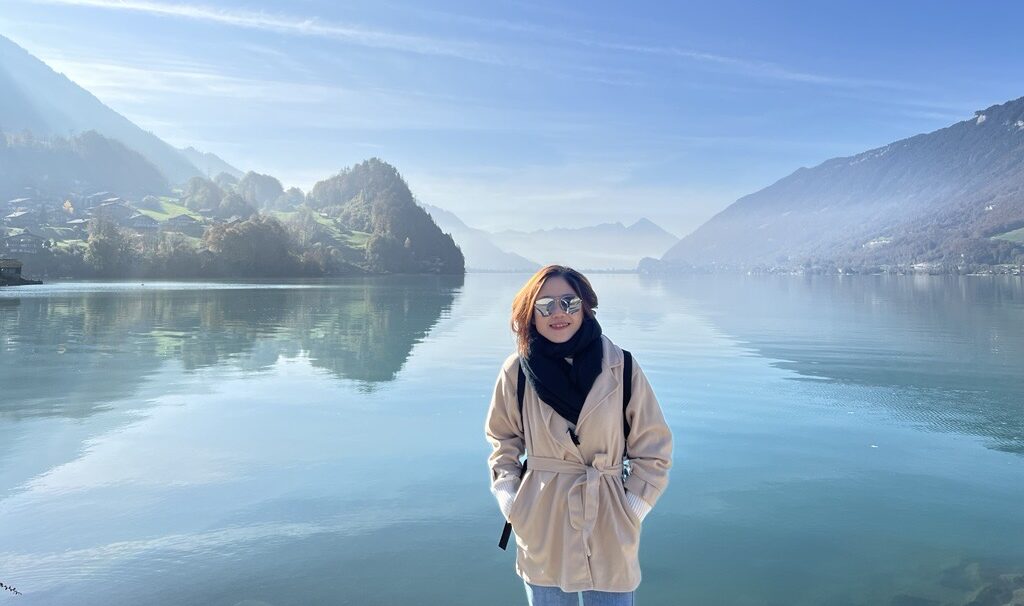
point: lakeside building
(24, 243)
(10, 268)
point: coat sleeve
(504, 431)
(649, 446)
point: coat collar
(606, 383)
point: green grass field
(169, 209)
(1016, 235)
(353, 239)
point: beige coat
(573, 527)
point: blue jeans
(538, 595)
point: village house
(24, 243)
(81, 226)
(143, 223)
(18, 203)
(22, 218)
(113, 210)
(96, 199)
(10, 268)
(185, 224)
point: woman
(577, 524)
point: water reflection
(72, 351)
(945, 352)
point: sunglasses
(569, 303)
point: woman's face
(560, 326)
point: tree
(201, 193)
(291, 198)
(258, 246)
(109, 251)
(234, 204)
(226, 181)
(259, 190)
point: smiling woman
(576, 515)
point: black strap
(627, 394)
(627, 391)
(506, 532)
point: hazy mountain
(604, 246)
(210, 164)
(480, 252)
(937, 197)
(89, 162)
(371, 197)
(34, 97)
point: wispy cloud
(122, 82)
(746, 66)
(286, 24)
(749, 67)
(475, 51)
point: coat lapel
(606, 383)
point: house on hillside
(24, 243)
(22, 218)
(96, 199)
(143, 223)
(81, 227)
(185, 224)
(17, 203)
(113, 210)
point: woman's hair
(522, 305)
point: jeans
(538, 595)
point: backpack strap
(627, 390)
(506, 532)
(521, 387)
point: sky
(533, 115)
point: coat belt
(583, 494)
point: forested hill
(950, 197)
(372, 197)
(89, 161)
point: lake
(849, 440)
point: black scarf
(562, 385)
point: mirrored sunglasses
(569, 303)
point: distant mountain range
(35, 98)
(953, 197)
(611, 246)
(480, 252)
(607, 246)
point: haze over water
(853, 441)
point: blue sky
(535, 114)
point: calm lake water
(840, 441)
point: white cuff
(505, 491)
(639, 506)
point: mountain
(210, 164)
(603, 246)
(480, 252)
(371, 197)
(33, 97)
(947, 197)
(88, 162)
